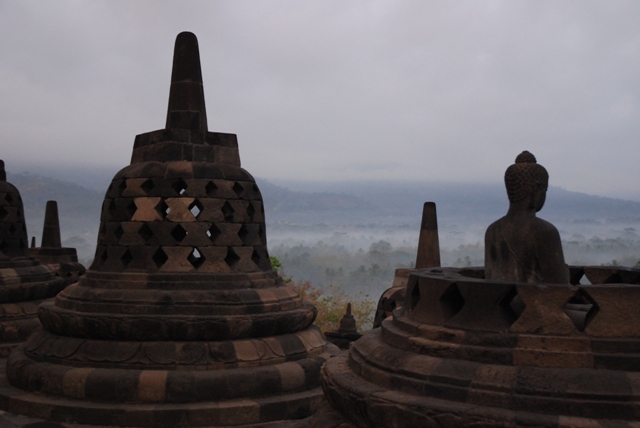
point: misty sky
(337, 90)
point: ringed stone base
(290, 409)
(370, 405)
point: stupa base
(291, 410)
(366, 404)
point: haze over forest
(355, 234)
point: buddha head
(526, 182)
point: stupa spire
(51, 229)
(186, 97)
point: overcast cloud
(337, 90)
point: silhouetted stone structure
(180, 321)
(62, 260)
(520, 246)
(24, 282)
(346, 333)
(466, 351)
(428, 255)
(458, 354)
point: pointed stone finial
(3, 173)
(186, 96)
(51, 230)
(428, 244)
(33, 242)
(348, 322)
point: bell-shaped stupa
(24, 282)
(180, 321)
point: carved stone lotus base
(167, 384)
(245, 413)
(24, 285)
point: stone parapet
(463, 351)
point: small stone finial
(186, 108)
(33, 242)
(348, 322)
(3, 173)
(51, 230)
(428, 243)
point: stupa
(468, 351)
(24, 282)
(180, 321)
(62, 260)
(428, 255)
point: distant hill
(401, 202)
(297, 208)
(78, 209)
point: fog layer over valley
(355, 234)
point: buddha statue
(520, 246)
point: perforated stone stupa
(180, 321)
(24, 282)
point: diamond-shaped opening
(145, 232)
(451, 302)
(3, 213)
(237, 187)
(196, 258)
(162, 208)
(232, 258)
(126, 258)
(178, 233)
(243, 233)
(227, 211)
(8, 198)
(581, 309)
(159, 258)
(122, 186)
(517, 305)
(196, 208)
(12, 229)
(118, 232)
(213, 232)
(131, 208)
(179, 186)
(251, 212)
(256, 257)
(147, 186)
(512, 305)
(210, 188)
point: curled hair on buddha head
(524, 177)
